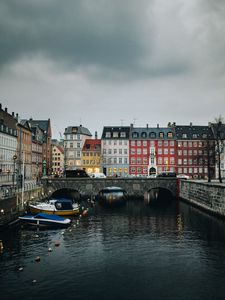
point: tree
(219, 136)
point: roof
(77, 130)
(151, 133)
(92, 145)
(193, 132)
(118, 129)
(43, 124)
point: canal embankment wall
(207, 196)
(13, 202)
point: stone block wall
(209, 196)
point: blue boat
(45, 220)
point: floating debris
(36, 236)
(34, 281)
(1, 246)
(49, 249)
(20, 269)
(37, 259)
(57, 243)
(62, 232)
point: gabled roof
(77, 130)
(43, 124)
(92, 145)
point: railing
(8, 191)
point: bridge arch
(158, 195)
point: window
(115, 134)
(171, 150)
(172, 143)
(133, 161)
(133, 143)
(184, 135)
(165, 150)
(144, 135)
(123, 134)
(125, 151)
(170, 135)
(179, 161)
(139, 161)
(139, 151)
(108, 134)
(152, 135)
(161, 135)
(135, 135)
(139, 143)
(165, 143)
(114, 160)
(160, 151)
(115, 151)
(120, 151)
(194, 135)
(160, 160)
(120, 160)
(144, 143)
(159, 143)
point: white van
(97, 175)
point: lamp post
(44, 168)
(14, 168)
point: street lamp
(44, 167)
(14, 168)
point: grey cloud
(97, 35)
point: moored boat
(45, 220)
(60, 207)
(112, 196)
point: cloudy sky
(113, 62)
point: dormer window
(184, 135)
(161, 135)
(115, 134)
(108, 134)
(144, 135)
(123, 134)
(170, 135)
(135, 135)
(152, 135)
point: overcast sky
(113, 62)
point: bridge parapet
(135, 187)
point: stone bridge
(90, 187)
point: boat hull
(45, 220)
(35, 210)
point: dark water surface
(132, 252)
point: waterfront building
(8, 147)
(45, 125)
(195, 151)
(37, 152)
(115, 150)
(24, 150)
(57, 159)
(74, 138)
(91, 156)
(152, 150)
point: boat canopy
(64, 204)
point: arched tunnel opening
(66, 193)
(159, 196)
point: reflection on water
(136, 251)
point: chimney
(0, 106)
(6, 109)
(17, 117)
(13, 113)
(147, 126)
(157, 125)
(191, 124)
(96, 135)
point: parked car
(97, 175)
(167, 174)
(183, 176)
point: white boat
(61, 207)
(45, 220)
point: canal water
(132, 252)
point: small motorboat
(112, 196)
(45, 220)
(60, 207)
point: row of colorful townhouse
(25, 148)
(142, 151)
